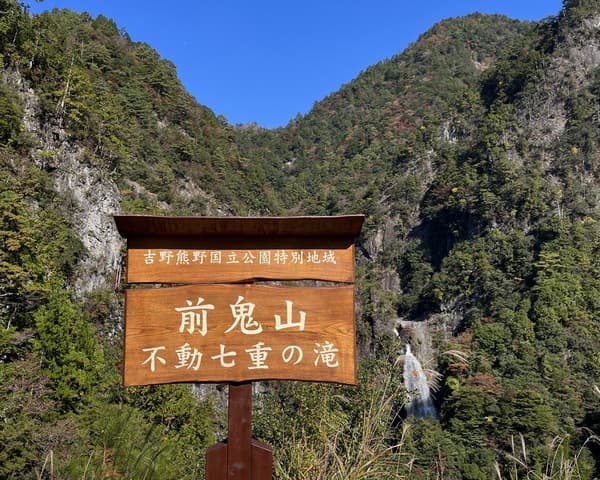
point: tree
(67, 348)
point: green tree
(67, 348)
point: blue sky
(265, 61)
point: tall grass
(364, 451)
(560, 464)
(122, 445)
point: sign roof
(302, 226)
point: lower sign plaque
(239, 332)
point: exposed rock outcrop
(94, 196)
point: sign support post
(218, 325)
(241, 457)
(239, 443)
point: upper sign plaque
(234, 249)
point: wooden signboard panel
(233, 333)
(208, 261)
(191, 250)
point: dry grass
(560, 465)
(365, 455)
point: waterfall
(419, 398)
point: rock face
(420, 335)
(94, 196)
(543, 111)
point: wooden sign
(232, 249)
(231, 333)
(221, 330)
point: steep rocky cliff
(90, 194)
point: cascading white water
(419, 403)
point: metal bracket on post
(242, 457)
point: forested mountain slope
(475, 156)
(367, 126)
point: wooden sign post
(219, 325)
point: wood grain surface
(208, 261)
(239, 332)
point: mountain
(474, 155)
